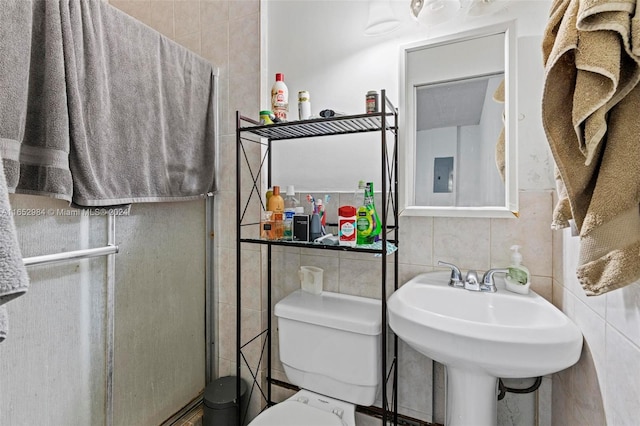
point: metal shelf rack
(248, 132)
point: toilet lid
(293, 413)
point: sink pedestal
(471, 398)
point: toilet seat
(295, 413)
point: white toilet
(330, 348)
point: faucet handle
(487, 278)
(456, 275)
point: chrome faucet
(487, 279)
(471, 282)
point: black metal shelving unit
(249, 131)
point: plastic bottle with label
(280, 98)
(321, 212)
(276, 205)
(304, 105)
(358, 195)
(372, 102)
(290, 204)
(315, 228)
(368, 223)
(347, 226)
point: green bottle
(367, 222)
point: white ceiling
(457, 103)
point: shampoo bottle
(275, 204)
(518, 277)
(280, 98)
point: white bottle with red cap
(280, 98)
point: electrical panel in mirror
(458, 139)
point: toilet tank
(330, 344)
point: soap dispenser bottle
(518, 277)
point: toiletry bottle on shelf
(280, 98)
(265, 117)
(300, 225)
(321, 212)
(315, 227)
(276, 205)
(266, 226)
(290, 204)
(368, 222)
(304, 105)
(347, 226)
(267, 196)
(518, 277)
(372, 102)
(358, 195)
(369, 202)
(275, 202)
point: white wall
(320, 47)
(490, 126)
(432, 143)
(470, 163)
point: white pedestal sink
(479, 337)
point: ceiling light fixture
(382, 19)
(485, 7)
(416, 7)
(434, 12)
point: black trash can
(220, 405)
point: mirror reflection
(458, 157)
(459, 144)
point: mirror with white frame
(458, 142)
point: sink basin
(481, 336)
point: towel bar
(70, 255)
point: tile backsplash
(599, 389)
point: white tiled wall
(602, 387)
